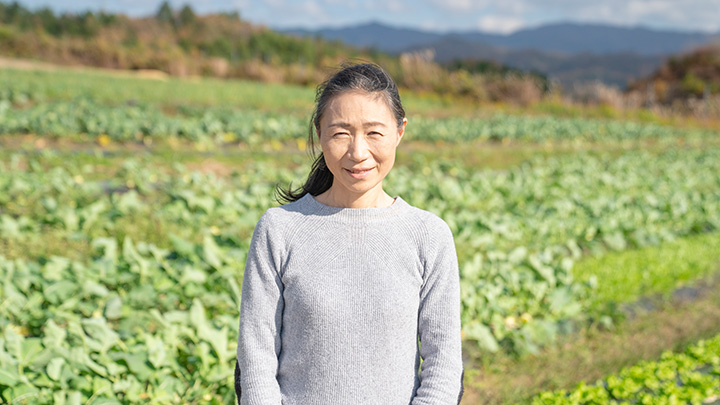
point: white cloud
(276, 3)
(502, 15)
(241, 4)
(643, 8)
(379, 8)
(460, 5)
(500, 24)
(312, 8)
(515, 7)
(667, 14)
(395, 6)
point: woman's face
(359, 135)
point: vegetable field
(122, 243)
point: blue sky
(500, 16)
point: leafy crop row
(220, 125)
(692, 377)
(518, 232)
(136, 123)
(135, 322)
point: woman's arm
(439, 322)
(261, 311)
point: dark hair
(366, 77)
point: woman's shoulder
(281, 214)
(428, 217)
(279, 219)
(431, 222)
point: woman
(346, 289)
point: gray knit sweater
(335, 300)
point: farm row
(222, 125)
(518, 231)
(692, 377)
(73, 105)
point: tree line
(181, 42)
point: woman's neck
(371, 199)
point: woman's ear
(401, 131)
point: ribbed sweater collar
(311, 205)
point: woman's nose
(359, 149)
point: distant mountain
(372, 35)
(594, 38)
(564, 37)
(610, 68)
(566, 52)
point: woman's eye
(375, 133)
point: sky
(497, 16)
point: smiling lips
(358, 173)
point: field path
(28, 64)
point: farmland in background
(127, 206)
(223, 45)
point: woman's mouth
(358, 173)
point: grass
(113, 87)
(108, 88)
(630, 275)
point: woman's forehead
(369, 107)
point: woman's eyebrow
(340, 124)
(365, 124)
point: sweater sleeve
(441, 371)
(261, 309)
